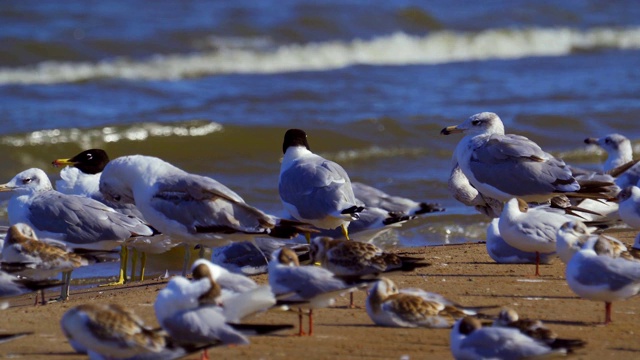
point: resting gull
(620, 152)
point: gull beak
(6, 188)
(450, 130)
(62, 162)
(591, 141)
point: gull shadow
(625, 349)
(62, 353)
(525, 296)
(571, 322)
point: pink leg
(301, 332)
(537, 264)
(310, 322)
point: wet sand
(463, 273)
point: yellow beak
(62, 162)
(450, 130)
(6, 188)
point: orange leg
(607, 311)
(310, 322)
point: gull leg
(66, 283)
(143, 264)
(134, 262)
(537, 263)
(124, 254)
(345, 232)
(201, 253)
(307, 236)
(301, 332)
(310, 322)
(607, 311)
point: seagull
(112, 331)
(312, 286)
(470, 341)
(531, 230)
(313, 189)
(505, 166)
(620, 153)
(189, 311)
(79, 222)
(373, 197)
(503, 253)
(39, 260)
(388, 306)
(351, 259)
(595, 273)
(194, 208)
(509, 318)
(629, 206)
(81, 176)
(572, 235)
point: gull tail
(569, 344)
(353, 211)
(287, 229)
(397, 218)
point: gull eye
(476, 122)
(116, 197)
(89, 156)
(26, 180)
(607, 141)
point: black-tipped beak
(450, 130)
(591, 141)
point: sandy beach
(463, 273)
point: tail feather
(426, 208)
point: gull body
(314, 189)
(505, 166)
(574, 234)
(503, 253)
(595, 273)
(619, 152)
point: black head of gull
(90, 161)
(295, 137)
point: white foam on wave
(89, 138)
(395, 49)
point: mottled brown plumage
(202, 271)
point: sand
(463, 273)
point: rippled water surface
(213, 86)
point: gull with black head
(313, 189)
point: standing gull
(629, 206)
(505, 166)
(194, 208)
(79, 222)
(595, 273)
(503, 253)
(531, 230)
(572, 235)
(314, 189)
(81, 176)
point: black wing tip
(261, 328)
(426, 208)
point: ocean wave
(89, 138)
(394, 49)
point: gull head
(90, 161)
(380, 291)
(612, 144)
(516, 203)
(507, 316)
(286, 257)
(29, 181)
(318, 248)
(485, 123)
(202, 271)
(19, 233)
(213, 271)
(467, 325)
(293, 138)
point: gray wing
(502, 343)
(372, 197)
(204, 205)
(517, 166)
(306, 282)
(316, 188)
(606, 271)
(202, 326)
(81, 219)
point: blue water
(212, 86)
